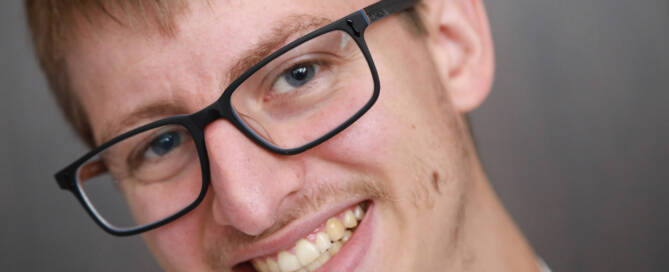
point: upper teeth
(310, 255)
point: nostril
(248, 216)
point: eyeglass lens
(306, 92)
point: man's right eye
(163, 144)
(157, 150)
(161, 155)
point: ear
(460, 41)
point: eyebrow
(147, 112)
(277, 37)
(286, 28)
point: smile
(315, 249)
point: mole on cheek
(435, 182)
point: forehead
(116, 69)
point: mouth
(320, 247)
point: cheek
(367, 142)
(177, 245)
(411, 135)
(397, 125)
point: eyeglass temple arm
(384, 8)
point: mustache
(307, 201)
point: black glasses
(296, 98)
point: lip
(352, 253)
(286, 237)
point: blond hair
(54, 24)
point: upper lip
(286, 237)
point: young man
(237, 149)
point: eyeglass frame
(353, 24)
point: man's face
(405, 160)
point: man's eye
(295, 77)
(159, 156)
(163, 144)
(300, 75)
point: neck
(491, 238)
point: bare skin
(410, 156)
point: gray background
(575, 137)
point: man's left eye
(295, 77)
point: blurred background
(575, 138)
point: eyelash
(324, 66)
(135, 159)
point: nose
(249, 183)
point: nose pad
(256, 126)
(249, 183)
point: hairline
(164, 23)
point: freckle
(413, 126)
(435, 181)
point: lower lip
(352, 253)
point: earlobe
(461, 45)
